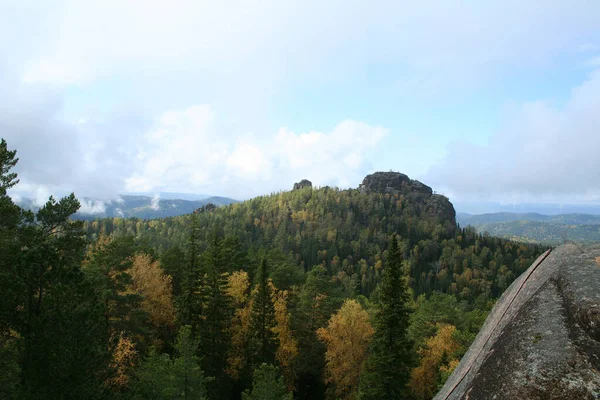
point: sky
(494, 101)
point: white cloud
(261, 44)
(91, 207)
(544, 153)
(155, 202)
(237, 56)
(186, 151)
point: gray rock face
(393, 182)
(433, 205)
(302, 184)
(542, 338)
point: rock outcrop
(432, 205)
(302, 184)
(393, 182)
(542, 338)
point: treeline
(305, 294)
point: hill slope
(537, 228)
(133, 206)
(347, 231)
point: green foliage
(216, 312)
(7, 162)
(107, 268)
(267, 384)
(262, 319)
(550, 233)
(387, 370)
(162, 377)
(173, 263)
(59, 323)
(318, 299)
(189, 299)
(11, 370)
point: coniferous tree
(267, 384)
(161, 377)
(189, 301)
(263, 318)
(388, 368)
(107, 265)
(10, 217)
(216, 313)
(59, 320)
(317, 301)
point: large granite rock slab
(542, 338)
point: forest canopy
(311, 293)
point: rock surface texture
(542, 338)
(302, 184)
(433, 205)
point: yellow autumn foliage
(347, 338)
(237, 289)
(238, 284)
(287, 348)
(424, 378)
(155, 286)
(124, 358)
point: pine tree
(10, 217)
(59, 320)
(263, 318)
(388, 368)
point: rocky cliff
(434, 205)
(542, 339)
(302, 184)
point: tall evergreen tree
(161, 377)
(263, 318)
(216, 313)
(387, 371)
(267, 384)
(59, 320)
(10, 217)
(50, 317)
(317, 301)
(107, 266)
(189, 301)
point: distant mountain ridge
(574, 218)
(534, 227)
(138, 206)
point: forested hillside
(537, 228)
(145, 207)
(313, 293)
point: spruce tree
(387, 370)
(267, 384)
(263, 319)
(216, 313)
(179, 377)
(189, 300)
